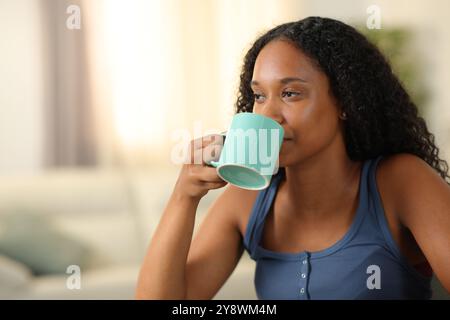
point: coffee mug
(249, 156)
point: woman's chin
(285, 159)
(282, 160)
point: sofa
(100, 220)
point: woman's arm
(422, 203)
(171, 268)
(162, 274)
(175, 269)
(217, 246)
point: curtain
(70, 132)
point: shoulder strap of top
(260, 207)
(378, 209)
(382, 222)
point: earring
(344, 116)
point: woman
(360, 208)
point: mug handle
(215, 164)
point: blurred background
(95, 94)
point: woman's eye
(257, 96)
(290, 94)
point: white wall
(21, 87)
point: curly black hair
(381, 118)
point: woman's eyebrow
(283, 80)
(291, 79)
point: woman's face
(291, 90)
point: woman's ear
(343, 115)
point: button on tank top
(365, 263)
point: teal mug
(249, 156)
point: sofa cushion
(13, 274)
(32, 240)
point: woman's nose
(272, 111)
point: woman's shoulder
(400, 176)
(388, 176)
(413, 187)
(402, 160)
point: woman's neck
(322, 185)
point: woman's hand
(196, 177)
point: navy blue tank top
(365, 263)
